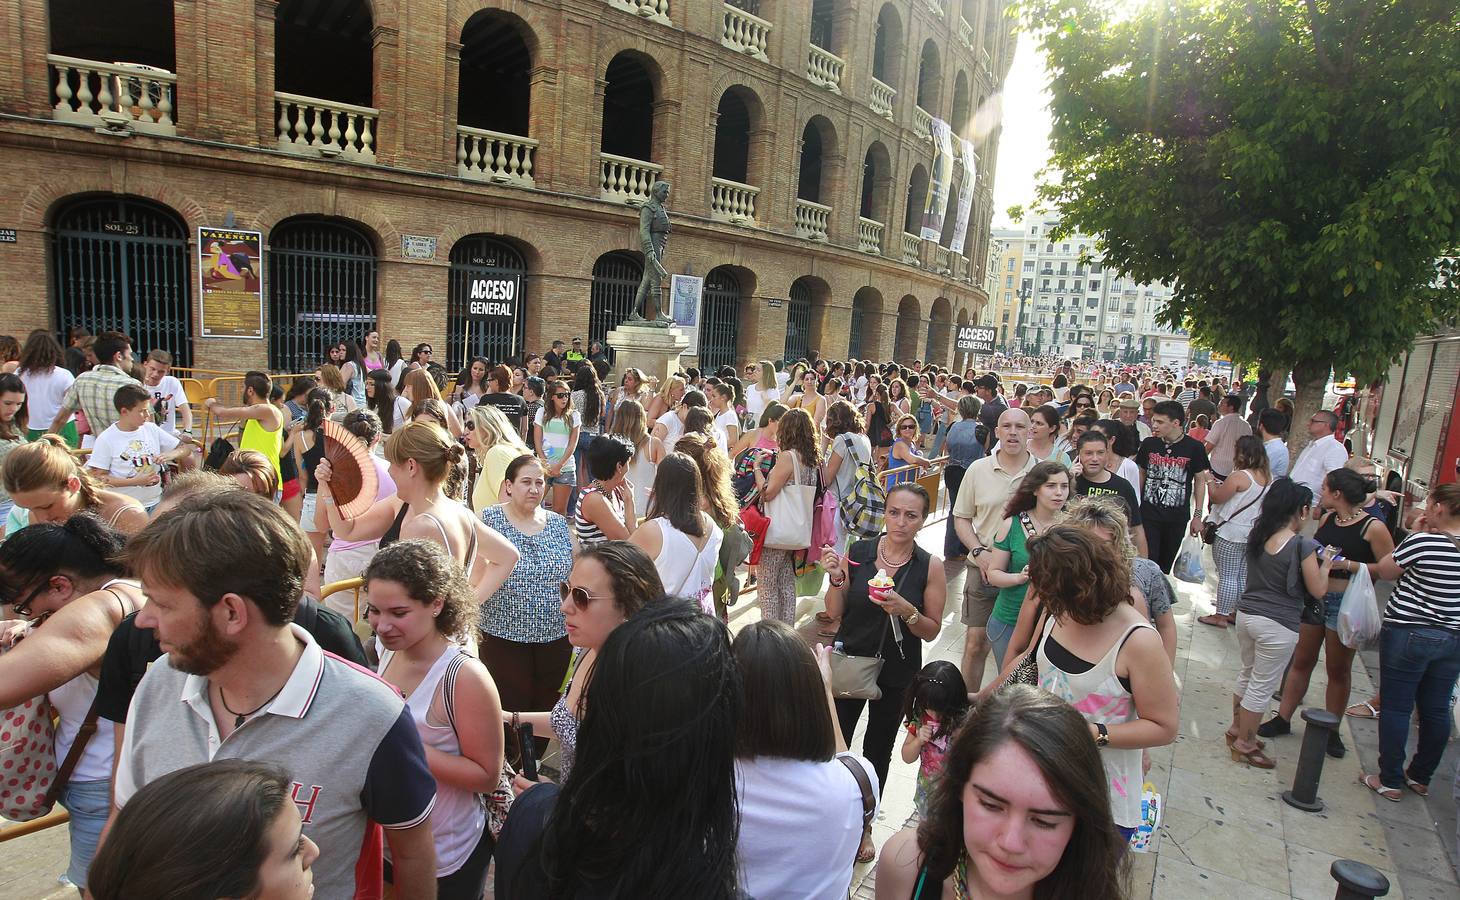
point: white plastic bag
(1358, 614)
(1188, 562)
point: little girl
(936, 704)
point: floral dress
(930, 765)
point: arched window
(940, 332)
(628, 108)
(720, 314)
(136, 35)
(808, 187)
(917, 195)
(735, 168)
(866, 331)
(616, 277)
(120, 263)
(486, 302)
(321, 288)
(493, 89)
(887, 47)
(930, 76)
(324, 78)
(905, 338)
(962, 107)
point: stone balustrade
(869, 236)
(625, 180)
(812, 220)
(745, 33)
(880, 99)
(491, 156)
(824, 68)
(923, 122)
(733, 202)
(117, 96)
(911, 243)
(310, 126)
(653, 10)
(965, 32)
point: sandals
(1422, 789)
(1364, 710)
(1373, 783)
(1254, 758)
(1216, 620)
(867, 851)
(1232, 739)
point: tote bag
(790, 512)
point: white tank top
(1241, 510)
(686, 571)
(641, 474)
(457, 819)
(72, 701)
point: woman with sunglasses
(902, 454)
(610, 582)
(523, 640)
(66, 578)
(1082, 402)
(46, 484)
(555, 436)
(490, 434)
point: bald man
(985, 491)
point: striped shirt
(588, 532)
(1428, 593)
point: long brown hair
(714, 468)
(1057, 739)
(797, 431)
(41, 352)
(628, 423)
(677, 491)
(46, 463)
(784, 713)
(1022, 500)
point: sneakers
(1336, 749)
(1275, 727)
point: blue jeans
(1417, 668)
(952, 543)
(89, 803)
(941, 429)
(999, 635)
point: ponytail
(1285, 499)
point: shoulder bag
(855, 677)
(1209, 528)
(790, 512)
(499, 802)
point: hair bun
(456, 453)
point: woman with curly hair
(1020, 811)
(422, 609)
(797, 463)
(1037, 505)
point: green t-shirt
(1006, 605)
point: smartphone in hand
(529, 751)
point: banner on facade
(495, 297)
(965, 197)
(685, 293)
(975, 339)
(940, 182)
(231, 282)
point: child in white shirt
(129, 455)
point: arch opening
(321, 288)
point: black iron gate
(475, 259)
(798, 322)
(616, 278)
(854, 339)
(720, 320)
(121, 264)
(321, 289)
(937, 342)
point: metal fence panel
(798, 323)
(616, 279)
(720, 328)
(321, 289)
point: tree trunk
(1309, 378)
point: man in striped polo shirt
(222, 573)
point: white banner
(940, 183)
(685, 292)
(965, 197)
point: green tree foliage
(1290, 167)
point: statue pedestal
(653, 350)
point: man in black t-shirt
(1174, 469)
(1093, 479)
(987, 390)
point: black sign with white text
(975, 339)
(493, 298)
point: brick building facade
(389, 152)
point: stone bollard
(1304, 794)
(1357, 881)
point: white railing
(965, 32)
(625, 180)
(311, 126)
(983, 57)
(923, 122)
(910, 246)
(940, 261)
(824, 68)
(115, 95)
(657, 10)
(491, 156)
(869, 236)
(745, 33)
(937, 7)
(881, 97)
(812, 220)
(731, 201)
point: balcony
(941, 264)
(483, 155)
(745, 33)
(824, 68)
(937, 7)
(119, 97)
(869, 236)
(923, 122)
(653, 10)
(733, 202)
(965, 32)
(309, 126)
(986, 61)
(625, 180)
(880, 99)
(811, 220)
(911, 243)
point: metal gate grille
(321, 290)
(937, 342)
(719, 330)
(478, 256)
(854, 340)
(616, 279)
(798, 323)
(121, 264)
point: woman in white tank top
(422, 609)
(630, 423)
(679, 536)
(62, 577)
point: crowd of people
(551, 555)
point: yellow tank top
(256, 437)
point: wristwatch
(913, 619)
(1102, 739)
(977, 550)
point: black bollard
(1304, 794)
(1357, 881)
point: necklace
(886, 560)
(1345, 522)
(238, 717)
(960, 887)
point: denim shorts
(1331, 602)
(567, 477)
(89, 803)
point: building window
(1029, 266)
(1011, 264)
(1008, 281)
(1062, 284)
(1064, 248)
(1049, 248)
(1034, 230)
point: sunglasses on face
(580, 597)
(561, 396)
(908, 427)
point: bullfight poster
(230, 269)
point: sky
(1023, 145)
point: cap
(1129, 403)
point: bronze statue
(653, 236)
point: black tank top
(392, 534)
(1349, 539)
(311, 457)
(864, 624)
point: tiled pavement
(1226, 833)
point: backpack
(863, 508)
